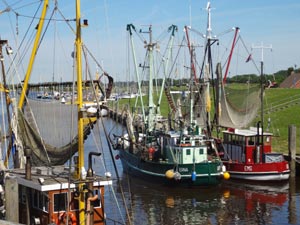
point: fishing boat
(41, 188)
(248, 155)
(156, 151)
(246, 152)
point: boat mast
(172, 28)
(191, 53)
(151, 106)
(130, 27)
(230, 55)
(208, 67)
(193, 76)
(262, 47)
(5, 90)
(193, 81)
(33, 54)
(78, 43)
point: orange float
(62, 218)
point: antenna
(262, 47)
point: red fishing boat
(247, 154)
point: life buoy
(62, 218)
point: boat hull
(207, 173)
(278, 171)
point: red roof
(292, 81)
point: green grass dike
(282, 106)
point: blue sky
(269, 22)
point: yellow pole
(80, 116)
(33, 53)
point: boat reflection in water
(159, 204)
(249, 203)
(229, 203)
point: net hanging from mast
(49, 133)
(240, 100)
(239, 106)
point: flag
(249, 58)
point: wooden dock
(117, 116)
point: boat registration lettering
(183, 170)
(247, 168)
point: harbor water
(231, 202)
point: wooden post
(292, 181)
(292, 150)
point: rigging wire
(27, 46)
(73, 108)
(16, 10)
(258, 70)
(107, 137)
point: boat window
(251, 141)
(60, 202)
(226, 138)
(188, 152)
(40, 200)
(241, 140)
(44, 204)
(234, 139)
(35, 199)
(97, 203)
(22, 194)
(201, 151)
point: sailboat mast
(33, 54)
(78, 43)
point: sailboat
(157, 152)
(41, 189)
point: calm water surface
(231, 202)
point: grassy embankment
(286, 113)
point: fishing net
(45, 128)
(239, 105)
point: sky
(273, 24)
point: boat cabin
(187, 148)
(245, 146)
(49, 198)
